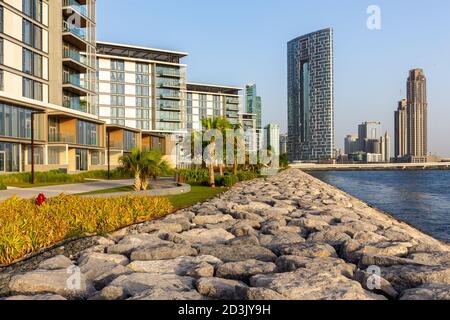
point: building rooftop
(138, 52)
(200, 87)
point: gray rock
(55, 263)
(211, 219)
(243, 270)
(180, 266)
(386, 261)
(260, 294)
(39, 297)
(305, 284)
(161, 227)
(275, 242)
(220, 289)
(166, 295)
(433, 258)
(58, 282)
(137, 283)
(308, 249)
(162, 252)
(243, 241)
(110, 294)
(238, 253)
(407, 277)
(334, 238)
(108, 275)
(205, 236)
(95, 265)
(329, 264)
(367, 281)
(428, 293)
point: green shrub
(197, 176)
(57, 176)
(226, 181)
(247, 175)
(3, 186)
(26, 227)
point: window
(142, 68)
(32, 63)
(117, 100)
(32, 89)
(87, 133)
(143, 102)
(2, 88)
(117, 65)
(117, 76)
(142, 79)
(33, 9)
(142, 91)
(32, 34)
(1, 19)
(117, 112)
(117, 88)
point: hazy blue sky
(236, 42)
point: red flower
(40, 199)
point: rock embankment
(286, 237)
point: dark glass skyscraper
(311, 97)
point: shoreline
(289, 236)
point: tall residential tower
(311, 97)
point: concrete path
(68, 189)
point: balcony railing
(233, 100)
(75, 80)
(169, 84)
(61, 138)
(168, 72)
(76, 104)
(79, 32)
(75, 55)
(76, 6)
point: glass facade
(87, 133)
(311, 97)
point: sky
(236, 42)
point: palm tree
(237, 144)
(132, 162)
(144, 164)
(153, 166)
(223, 124)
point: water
(420, 198)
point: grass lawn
(111, 190)
(197, 194)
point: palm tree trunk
(212, 178)
(221, 169)
(145, 183)
(137, 182)
(235, 166)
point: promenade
(289, 236)
(371, 166)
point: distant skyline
(239, 43)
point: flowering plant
(40, 199)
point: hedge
(26, 227)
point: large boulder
(243, 270)
(162, 251)
(305, 284)
(56, 263)
(427, 292)
(206, 236)
(308, 249)
(158, 294)
(238, 253)
(220, 289)
(211, 219)
(66, 283)
(329, 264)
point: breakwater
(289, 236)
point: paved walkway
(68, 189)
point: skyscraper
(351, 144)
(273, 137)
(386, 147)
(311, 97)
(401, 136)
(411, 121)
(368, 133)
(417, 116)
(254, 104)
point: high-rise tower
(311, 97)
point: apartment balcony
(75, 35)
(75, 104)
(169, 84)
(74, 84)
(232, 101)
(168, 72)
(74, 60)
(116, 145)
(232, 115)
(62, 138)
(71, 7)
(169, 96)
(232, 107)
(170, 119)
